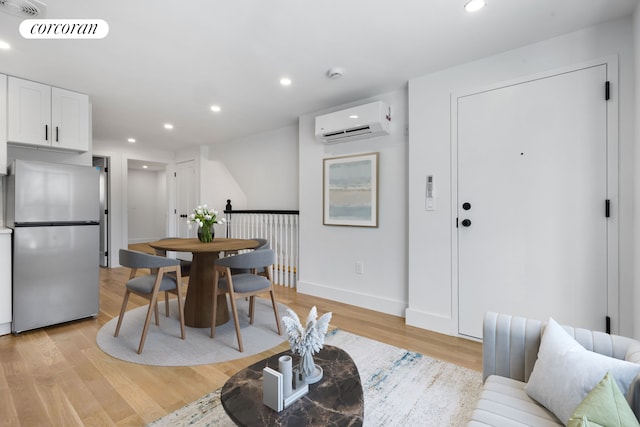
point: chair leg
(122, 310)
(252, 308)
(214, 312)
(166, 303)
(181, 311)
(275, 310)
(152, 304)
(237, 323)
(155, 311)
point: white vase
(285, 368)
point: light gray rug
(401, 388)
(163, 346)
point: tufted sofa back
(510, 345)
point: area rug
(163, 346)
(401, 388)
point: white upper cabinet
(69, 119)
(29, 112)
(42, 115)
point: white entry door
(532, 189)
(185, 197)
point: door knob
(466, 222)
(466, 206)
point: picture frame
(350, 190)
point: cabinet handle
(46, 132)
(57, 139)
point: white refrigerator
(53, 210)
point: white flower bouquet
(205, 218)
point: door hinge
(106, 211)
(608, 324)
(607, 91)
(456, 222)
(106, 170)
(175, 174)
(175, 211)
(106, 253)
(607, 208)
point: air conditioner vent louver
(364, 121)
(363, 130)
(23, 8)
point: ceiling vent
(364, 121)
(24, 8)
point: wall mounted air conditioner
(363, 121)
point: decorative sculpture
(306, 341)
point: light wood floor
(57, 376)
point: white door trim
(611, 62)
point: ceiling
(169, 61)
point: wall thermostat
(430, 203)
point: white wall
(265, 166)
(432, 295)
(218, 185)
(118, 181)
(328, 254)
(146, 205)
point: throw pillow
(633, 353)
(565, 372)
(604, 406)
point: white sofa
(510, 349)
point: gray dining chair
(165, 277)
(244, 285)
(262, 244)
(185, 270)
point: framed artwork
(350, 190)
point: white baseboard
(371, 302)
(433, 322)
(5, 328)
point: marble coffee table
(335, 400)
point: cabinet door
(69, 119)
(29, 115)
(3, 124)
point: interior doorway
(147, 201)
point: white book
(272, 394)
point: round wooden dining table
(198, 302)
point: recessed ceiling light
(285, 81)
(216, 108)
(168, 126)
(131, 140)
(474, 5)
(4, 45)
(353, 116)
(144, 166)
